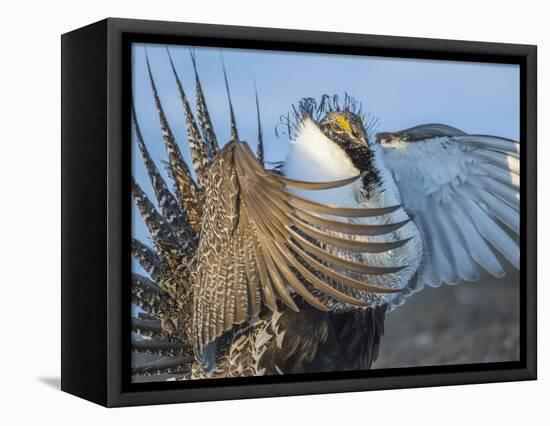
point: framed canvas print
(255, 212)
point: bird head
(331, 141)
(345, 128)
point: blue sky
(475, 97)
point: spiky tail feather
(173, 227)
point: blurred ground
(468, 323)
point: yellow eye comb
(344, 123)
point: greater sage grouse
(256, 271)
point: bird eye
(336, 127)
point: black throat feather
(362, 158)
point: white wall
(29, 187)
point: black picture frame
(96, 211)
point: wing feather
(488, 142)
(493, 233)
(505, 193)
(346, 227)
(505, 162)
(264, 237)
(441, 254)
(476, 245)
(462, 192)
(252, 272)
(268, 295)
(309, 247)
(493, 205)
(461, 260)
(500, 175)
(230, 294)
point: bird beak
(360, 141)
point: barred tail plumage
(185, 186)
(197, 146)
(162, 299)
(205, 123)
(168, 205)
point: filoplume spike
(234, 132)
(203, 116)
(260, 148)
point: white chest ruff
(313, 157)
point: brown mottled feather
(168, 205)
(186, 189)
(250, 228)
(203, 116)
(197, 145)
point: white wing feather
(462, 191)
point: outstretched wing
(260, 244)
(462, 191)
